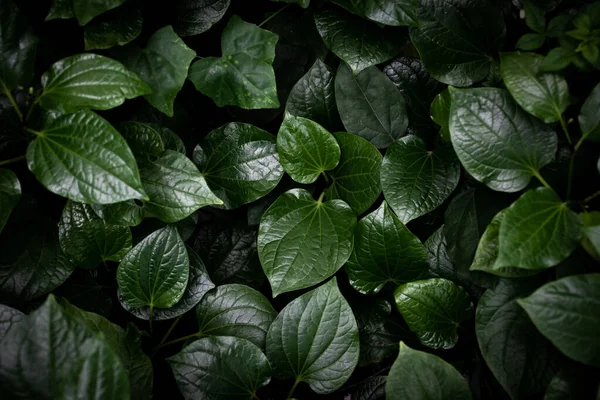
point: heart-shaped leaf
(197, 16)
(118, 27)
(125, 213)
(143, 140)
(394, 13)
(10, 193)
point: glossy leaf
(355, 179)
(440, 112)
(306, 149)
(197, 16)
(118, 27)
(143, 140)
(292, 264)
(589, 121)
(384, 251)
(545, 95)
(219, 367)
(394, 12)
(239, 162)
(440, 262)
(244, 75)
(370, 106)
(89, 81)
(155, 272)
(457, 39)
(433, 309)
(314, 339)
(10, 193)
(85, 10)
(496, 142)
(61, 9)
(591, 233)
(126, 213)
(9, 317)
(372, 388)
(422, 376)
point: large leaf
(88, 240)
(220, 367)
(10, 193)
(359, 43)
(370, 106)
(198, 284)
(163, 65)
(433, 309)
(496, 141)
(589, 120)
(544, 95)
(386, 12)
(302, 242)
(384, 251)
(89, 81)
(82, 157)
(538, 231)
(356, 177)
(235, 310)
(521, 359)
(566, 312)
(417, 375)
(306, 149)
(239, 162)
(198, 16)
(313, 97)
(244, 75)
(9, 317)
(314, 339)
(416, 181)
(176, 188)
(457, 39)
(155, 272)
(118, 27)
(17, 45)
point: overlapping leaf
(10, 193)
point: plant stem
(592, 197)
(293, 389)
(31, 108)
(150, 317)
(173, 325)
(326, 177)
(579, 143)
(570, 179)
(321, 197)
(181, 339)
(12, 160)
(542, 180)
(270, 17)
(563, 124)
(13, 102)
(36, 133)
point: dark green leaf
(10, 193)
(591, 233)
(415, 181)
(571, 383)
(384, 251)
(566, 312)
(9, 317)
(589, 120)
(440, 262)
(457, 39)
(86, 10)
(497, 142)
(530, 41)
(417, 375)
(292, 264)
(117, 27)
(239, 162)
(244, 75)
(197, 16)
(355, 180)
(557, 60)
(386, 12)
(170, 139)
(89, 81)
(143, 140)
(372, 388)
(314, 339)
(61, 9)
(440, 113)
(301, 3)
(534, 17)
(370, 106)
(125, 213)
(220, 367)
(433, 309)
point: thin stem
(171, 329)
(13, 102)
(12, 160)
(542, 180)
(181, 339)
(150, 317)
(563, 124)
(292, 389)
(570, 179)
(36, 133)
(579, 143)
(325, 176)
(254, 396)
(274, 14)
(321, 197)
(592, 197)
(31, 108)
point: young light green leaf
(591, 233)
(306, 149)
(163, 65)
(454, 49)
(355, 180)
(370, 106)
(155, 272)
(416, 181)
(244, 75)
(314, 339)
(88, 240)
(566, 312)
(235, 310)
(359, 43)
(589, 120)
(386, 12)
(218, 367)
(292, 264)
(125, 213)
(440, 113)
(497, 142)
(239, 162)
(545, 95)
(417, 375)
(9, 317)
(194, 17)
(85, 10)
(10, 193)
(82, 157)
(143, 140)
(89, 81)
(433, 309)
(118, 27)
(384, 251)
(176, 188)
(538, 232)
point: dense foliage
(347, 199)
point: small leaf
(291, 264)
(394, 13)
(85, 10)
(496, 142)
(370, 106)
(557, 60)
(417, 375)
(118, 27)
(89, 81)
(306, 149)
(10, 193)
(218, 367)
(61, 9)
(433, 309)
(155, 272)
(194, 17)
(125, 213)
(143, 140)
(534, 16)
(530, 41)
(244, 76)
(440, 113)
(314, 339)
(416, 181)
(9, 317)
(440, 262)
(589, 120)
(384, 251)
(591, 233)
(566, 312)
